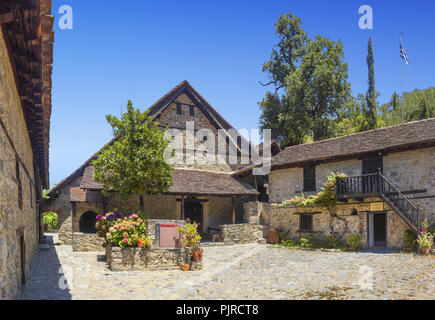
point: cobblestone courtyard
(250, 271)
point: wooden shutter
(310, 178)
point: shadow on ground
(47, 279)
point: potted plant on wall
(409, 240)
(425, 241)
(191, 240)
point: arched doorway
(87, 222)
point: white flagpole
(401, 79)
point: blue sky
(139, 50)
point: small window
(310, 178)
(192, 111)
(179, 108)
(306, 222)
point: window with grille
(310, 178)
(179, 108)
(306, 222)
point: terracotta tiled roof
(395, 138)
(190, 182)
(27, 27)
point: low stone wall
(242, 233)
(87, 242)
(344, 219)
(128, 259)
(65, 232)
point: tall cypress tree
(371, 112)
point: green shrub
(409, 238)
(51, 220)
(317, 241)
(305, 243)
(332, 241)
(288, 243)
(353, 240)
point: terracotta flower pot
(423, 230)
(425, 250)
(197, 255)
(185, 267)
(350, 248)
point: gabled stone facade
(217, 194)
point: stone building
(390, 185)
(205, 192)
(26, 52)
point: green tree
(310, 85)
(417, 105)
(371, 95)
(134, 163)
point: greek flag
(403, 52)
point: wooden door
(193, 212)
(371, 184)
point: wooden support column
(233, 205)
(182, 207)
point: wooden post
(182, 207)
(233, 205)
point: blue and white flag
(403, 52)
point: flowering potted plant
(123, 230)
(425, 241)
(353, 241)
(190, 238)
(424, 226)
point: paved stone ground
(250, 271)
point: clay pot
(185, 267)
(408, 249)
(197, 255)
(350, 248)
(423, 230)
(425, 250)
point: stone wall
(128, 259)
(242, 233)
(87, 242)
(414, 171)
(341, 219)
(411, 172)
(15, 221)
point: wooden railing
(358, 186)
(376, 184)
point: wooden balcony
(363, 186)
(376, 185)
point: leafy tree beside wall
(134, 164)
